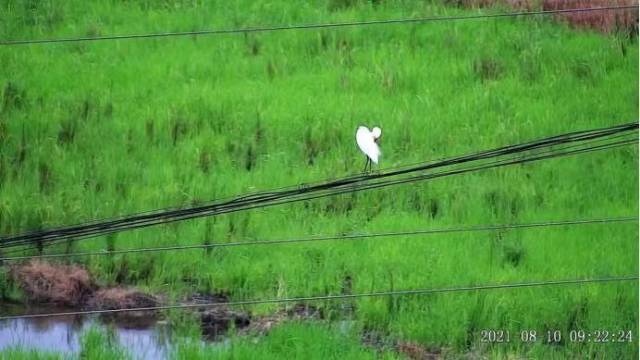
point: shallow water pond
(144, 337)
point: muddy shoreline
(59, 288)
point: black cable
(539, 156)
(314, 26)
(335, 297)
(293, 198)
(376, 185)
(330, 188)
(306, 187)
(334, 237)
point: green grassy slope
(91, 130)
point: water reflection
(141, 335)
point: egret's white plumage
(367, 142)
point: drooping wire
(474, 228)
(519, 152)
(338, 297)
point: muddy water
(142, 337)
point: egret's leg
(366, 162)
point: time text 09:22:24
(557, 336)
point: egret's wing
(362, 137)
(365, 142)
(373, 152)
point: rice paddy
(98, 129)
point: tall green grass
(97, 129)
(295, 340)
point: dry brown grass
(415, 351)
(71, 285)
(42, 282)
(120, 298)
(516, 4)
(607, 21)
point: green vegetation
(291, 341)
(21, 354)
(97, 343)
(98, 129)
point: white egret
(368, 142)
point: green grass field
(97, 129)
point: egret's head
(376, 132)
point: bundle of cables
(552, 147)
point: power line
(574, 143)
(314, 26)
(258, 199)
(336, 237)
(433, 176)
(335, 297)
(547, 154)
(376, 185)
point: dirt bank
(72, 286)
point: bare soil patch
(410, 349)
(216, 321)
(120, 298)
